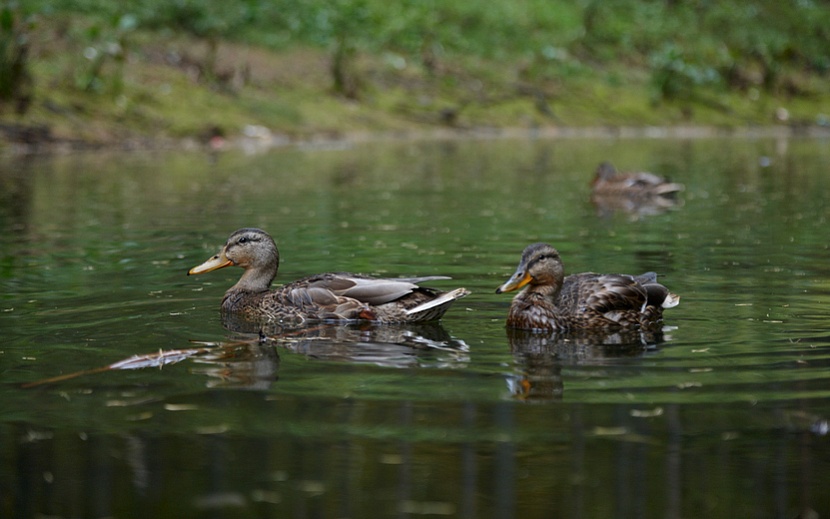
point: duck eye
(243, 239)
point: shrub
(16, 84)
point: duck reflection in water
(391, 345)
(250, 359)
(637, 194)
(244, 364)
(540, 356)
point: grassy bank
(102, 71)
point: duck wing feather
(602, 293)
(373, 291)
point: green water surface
(724, 415)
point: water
(724, 415)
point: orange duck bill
(215, 263)
(518, 280)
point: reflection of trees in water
(16, 194)
(350, 457)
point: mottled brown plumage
(323, 297)
(609, 182)
(550, 301)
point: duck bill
(516, 281)
(215, 263)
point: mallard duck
(609, 182)
(331, 296)
(550, 301)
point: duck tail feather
(443, 301)
(671, 300)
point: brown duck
(609, 182)
(322, 297)
(550, 301)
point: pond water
(724, 414)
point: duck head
(540, 266)
(252, 249)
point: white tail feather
(443, 299)
(671, 300)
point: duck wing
(641, 183)
(641, 179)
(652, 184)
(369, 290)
(658, 295)
(324, 288)
(344, 295)
(602, 293)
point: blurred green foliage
(15, 78)
(108, 43)
(686, 44)
(789, 30)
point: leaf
(6, 20)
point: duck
(550, 301)
(609, 182)
(331, 296)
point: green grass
(415, 65)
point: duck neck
(254, 280)
(547, 291)
(251, 283)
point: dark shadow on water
(540, 356)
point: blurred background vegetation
(103, 70)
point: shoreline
(261, 139)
